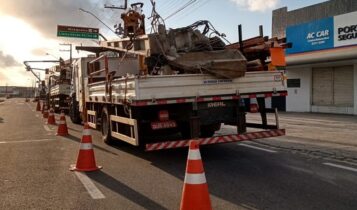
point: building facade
(15, 91)
(322, 63)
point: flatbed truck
(173, 86)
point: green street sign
(77, 35)
(77, 32)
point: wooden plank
(91, 112)
(124, 138)
(123, 120)
(92, 125)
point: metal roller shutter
(322, 86)
(332, 86)
(343, 86)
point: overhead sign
(77, 32)
(337, 31)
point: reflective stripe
(194, 154)
(86, 132)
(195, 178)
(62, 122)
(86, 146)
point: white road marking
(25, 141)
(257, 148)
(37, 115)
(47, 128)
(341, 166)
(94, 192)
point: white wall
(299, 99)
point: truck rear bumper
(217, 139)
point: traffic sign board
(77, 32)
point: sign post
(77, 32)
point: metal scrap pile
(189, 50)
(261, 52)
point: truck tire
(106, 132)
(74, 111)
(209, 130)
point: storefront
(322, 65)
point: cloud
(7, 61)
(45, 15)
(15, 76)
(40, 51)
(256, 5)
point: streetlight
(52, 55)
(88, 12)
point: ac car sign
(323, 34)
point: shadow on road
(124, 190)
(231, 175)
(76, 139)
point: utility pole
(70, 51)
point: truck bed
(133, 89)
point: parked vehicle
(58, 80)
(168, 87)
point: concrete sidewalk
(320, 128)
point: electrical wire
(188, 13)
(168, 10)
(190, 2)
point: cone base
(74, 168)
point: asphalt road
(292, 172)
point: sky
(28, 27)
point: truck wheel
(106, 132)
(74, 111)
(209, 130)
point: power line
(168, 3)
(198, 5)
(82, 10)
(181, 9)
(168, 10)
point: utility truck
(58, 80)
(165, 88)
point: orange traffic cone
(45, 112)
(195, 193)
(62, 128)
(38, 107)
(86, 159)
(51, 118)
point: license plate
(163, 125)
